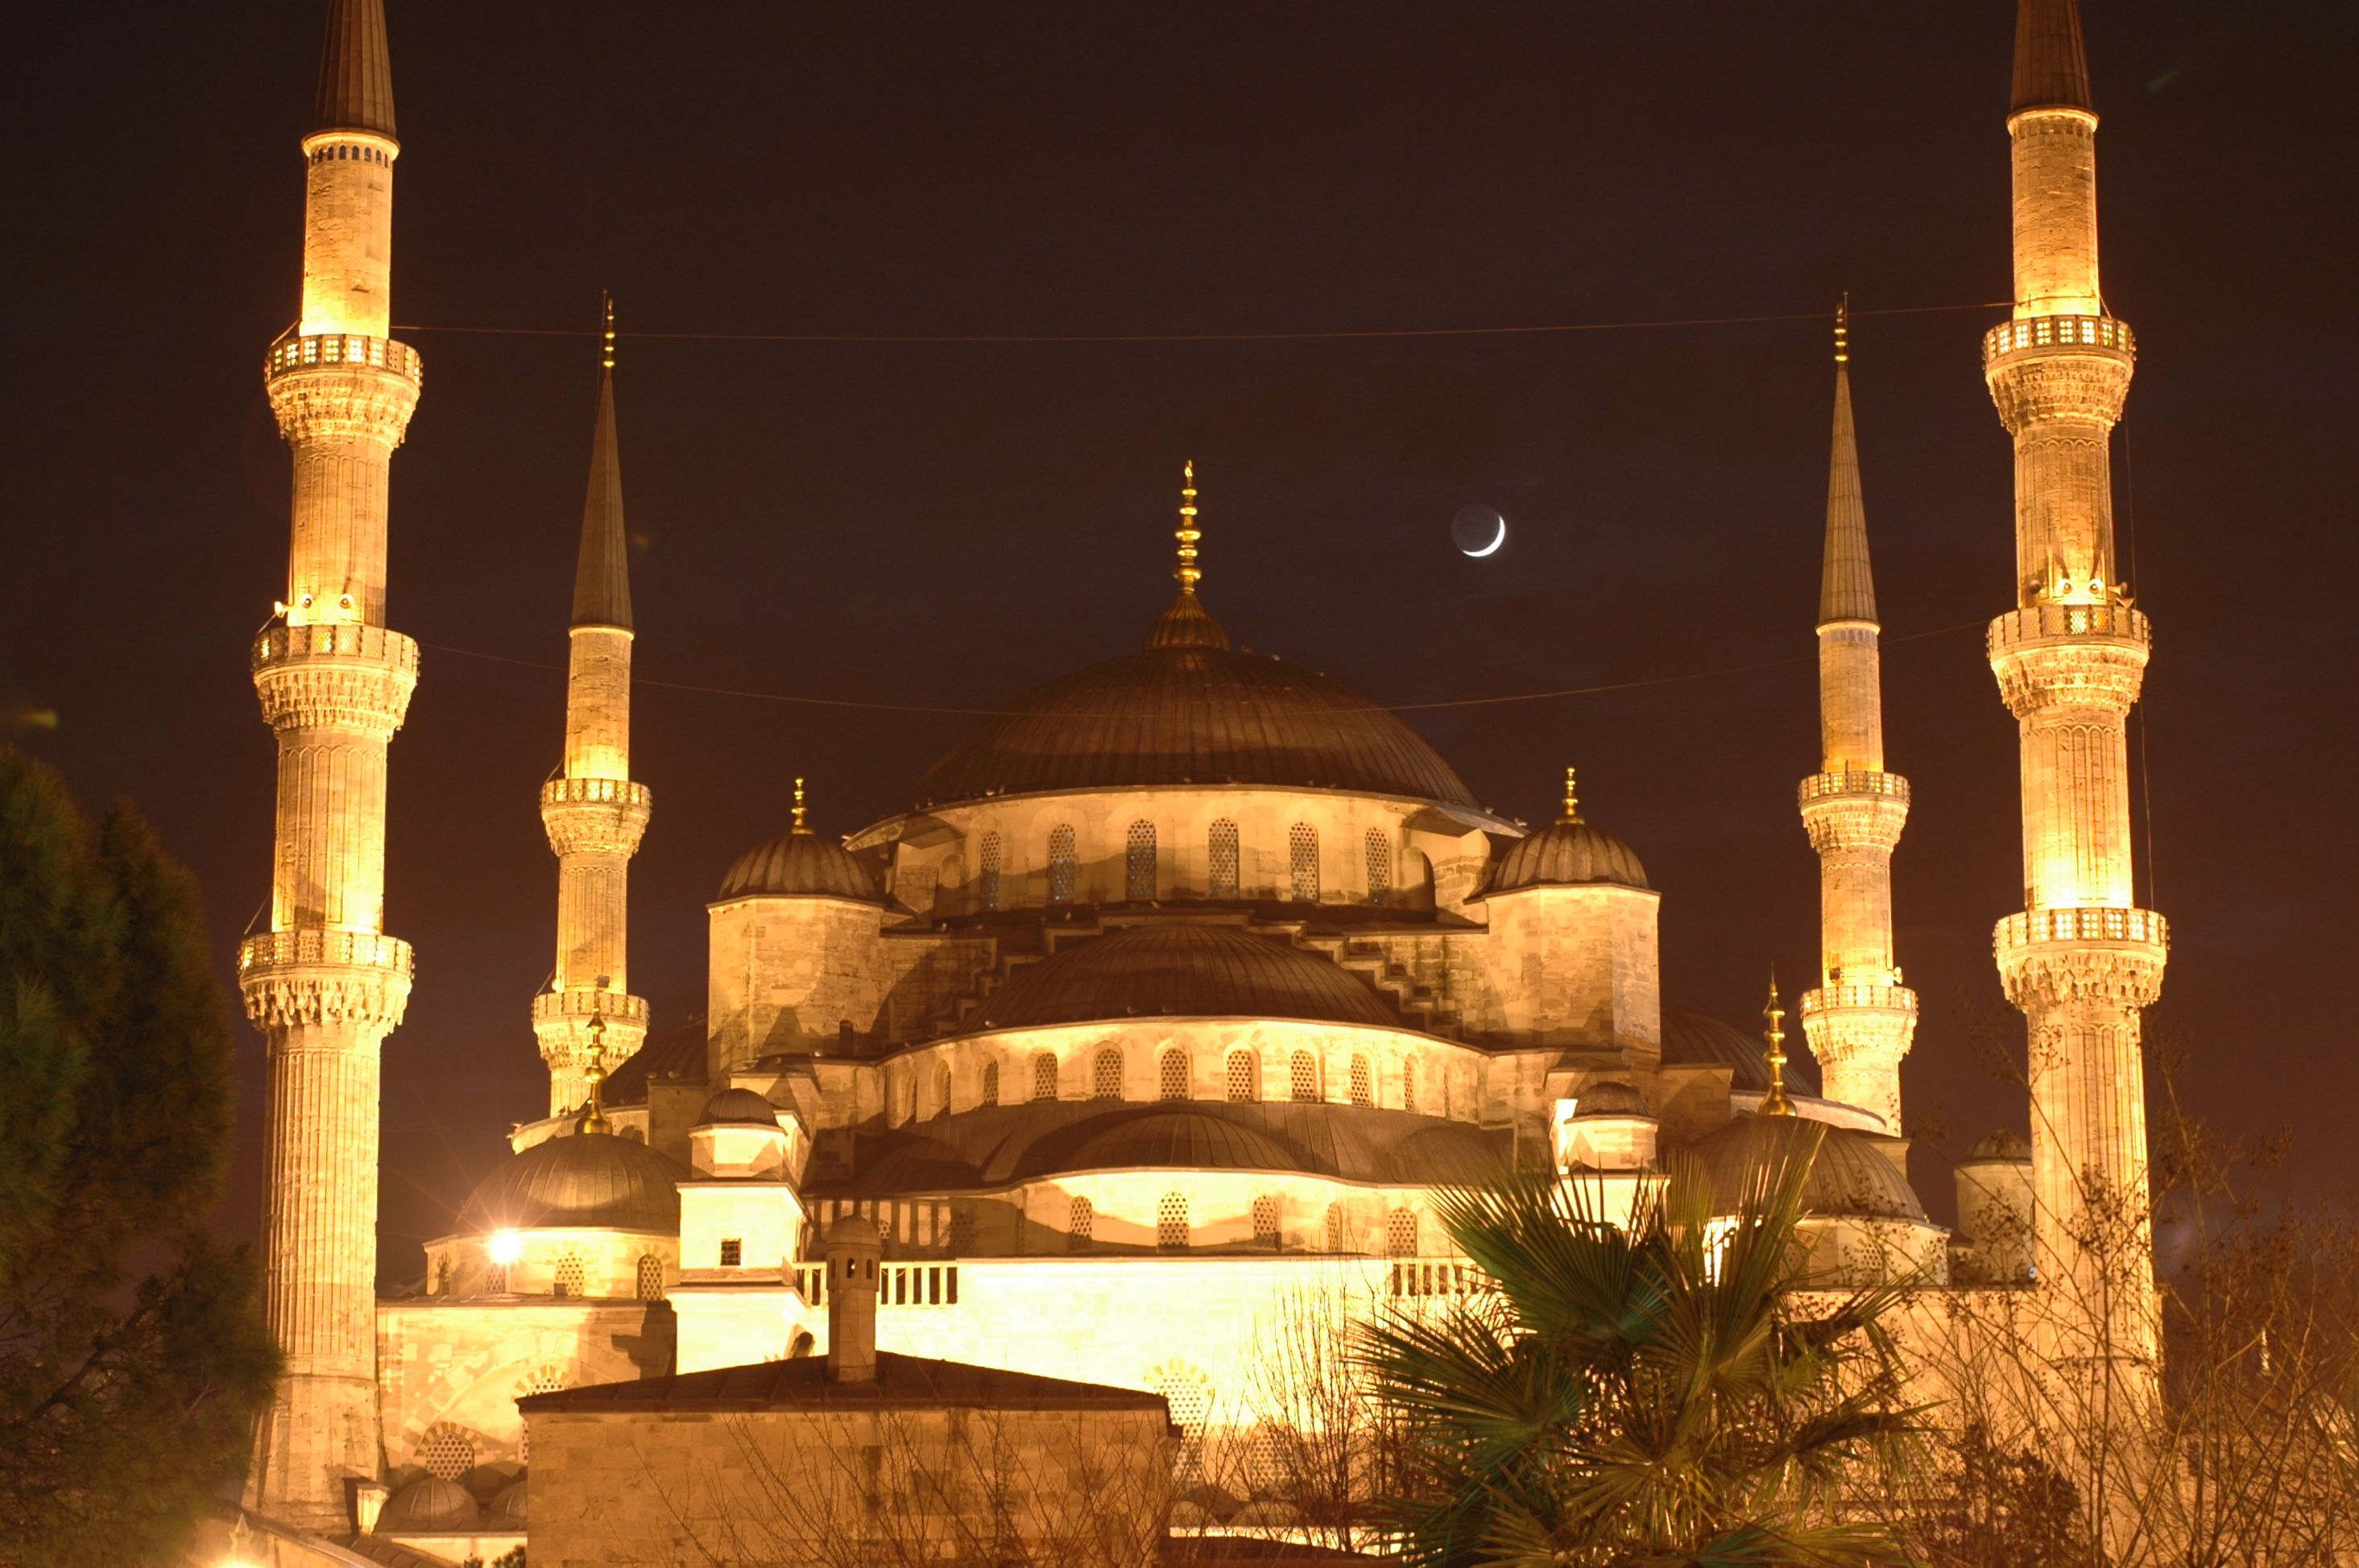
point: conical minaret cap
(2051, 64)
(355, 91)
(1846, 585)
(601, 578)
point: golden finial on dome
(1775, 1103)
(1572, 799)
(606, 349)
(1842, 328)
(1187, 534)
(593, 1118)
(802, 824)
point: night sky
(947, 525)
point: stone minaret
(2081, 959)
(1860, 1020)
(325, 984)
(595, 813)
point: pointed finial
(1842, 328)
(1572, 799)
(593, 1119)
(802, 825)
(1188, 535)
(606, 351)
(1775, 1103)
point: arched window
(650, 1280)
(1061, 866)
(1171, 1221)
(1244, 1078)
(991, 1083)
(1105, 1075)
(1364, 1084)
(961, 1233)
(1044, 1075)
(1400, 1233)
(1222, 881)
(445, 1452)
(1339, 1229)
(442, 1277)
(1380, 865)
(1409, 1069)
(987, 873)
(1302, 861)
(1138, 862)
(1172, 1075)
(1265, 1221)
(1304, 1076)
(567, 1281)
(1081, 1224)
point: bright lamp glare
(507, 1246)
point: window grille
(1305, 1073)
(987, 860)
(1043, 1077)
(1172, 1075)
(446, 1451)
(1138, 862)
(495, 1279)
(733, 1251)
(1400, 1233)
(1190, 1396)
(1222, 880)
(1380, 865)
(1243, 1089)
(1302, 859)
(961, 1236)
(1105, 1075)
(991, 1083)
(568, 1279)
(1081, 1224)
(650, 1280)
(1364, 1088)
(1062, 865)
(1171, 1225)
(1409, 1069)
(1338, 1229)
(1265, 1221)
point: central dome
(1182, 971)
(1188, 709)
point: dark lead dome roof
(1692, 1038)
(1188, 1140)
(1566, 854)
(798, 865)
(1183, 970)
(1189, 710)
(589, 1178)
(1851, 1176)
(734, 1106)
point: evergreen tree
(133, 1359)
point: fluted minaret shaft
(2082, 961)
(1861, 1020)
(594, 815)
(324, 983)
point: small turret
(854, 1255)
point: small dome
(1566, 854)
(1611, 1098)
(429, 1504)
(507, 1508)
(2004, 1143)
(737, 1107)
(1851, 1176)
(799, 865)
(852, 1230)
(592, 1179)
(1176, 970)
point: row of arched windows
(1140, 879)
(1173, 1232)
(1174, 1078)
(567, 1279)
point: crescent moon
(1492, 546)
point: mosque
(1172, 992)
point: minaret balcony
(2059, 367)
(1897, 1001)
(595, 816)
(2048, 334)
(625, 793)
(344, 351)
(2106, 953)
(313, 976)
(578, 1006)
(1851, 781)
(341, 387)
(2078, 656)
(335, 675)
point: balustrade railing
(2057, 331)
(1853, 781)
(1410, 1277)
(2110, 922)
(594, 792)
(897, 1284)
(2033, 622)
(359, 949)
(1886, 998)
(324, 639)
(331, 349)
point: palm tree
(1643, 1393)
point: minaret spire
(2083, 960)
(325, 984)
(1859, 1019)
(595, 814)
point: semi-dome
(1566, 854)
(428, 1504)
(1692, 1038)
(1177, 1139)
(1611, 1098)
(798, 864)
(735, 1107)
(588, 1179)
(1180, 970)
(1188, 709)
(1851, 1175)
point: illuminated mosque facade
(1174, 990)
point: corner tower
(593, 813)
(2082, 959)
(325, 984)
(1861, 1019)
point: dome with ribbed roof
(1611, 1098)
(735, 1106)
(2003, 1143)
(592, 1179)
(1851, 1176)
(428, 1504)
(511, 1509)
(799, 865)
(1181, 1139)
(1179, 970)
(1566, 854)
